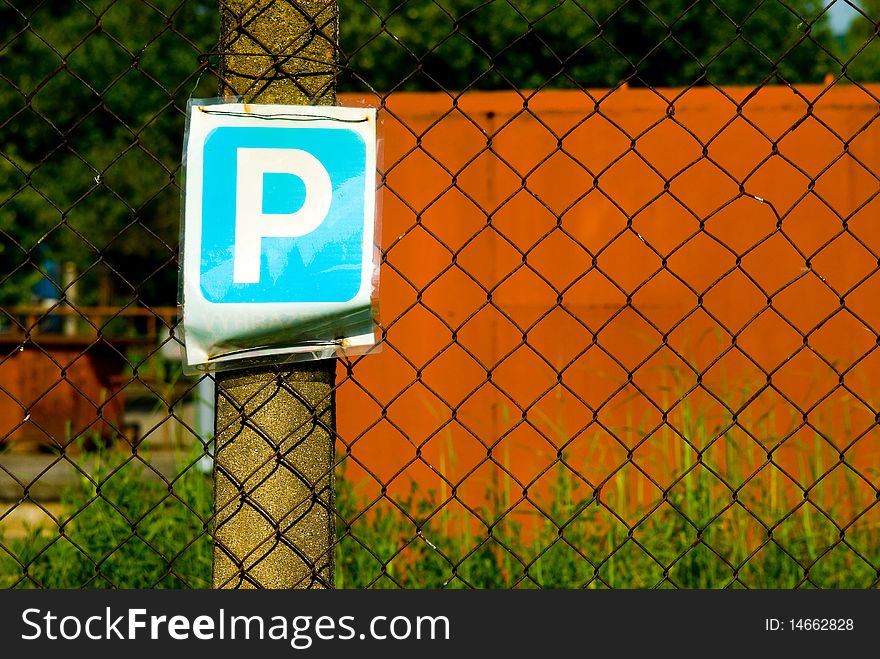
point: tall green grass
(752, 527)
(118, 529)
(724, 516)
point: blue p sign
(279, 230)
(282, 214)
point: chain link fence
(628, 302)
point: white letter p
(252, 224)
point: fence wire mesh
(628, 304)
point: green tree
(91, 125)
(464, 44)
(861, 48)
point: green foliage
(464, 44)
(120, 530)
(91, 123)
(862, 49)
(699, 538)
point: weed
(717, 523)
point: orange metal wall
(57, 389)
(592, 277)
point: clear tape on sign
(280, 226)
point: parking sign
(279, 229)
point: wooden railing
(131, 324)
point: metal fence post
(273, 484)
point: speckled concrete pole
(273, 483)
